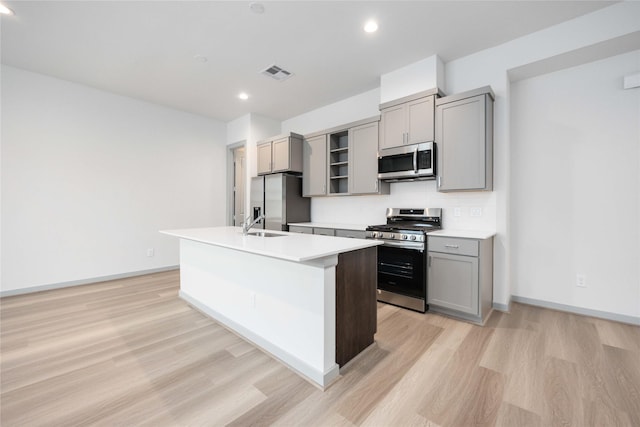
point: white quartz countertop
(337, 226)
(464, 234)
(290, 246)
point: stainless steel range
(402, 259)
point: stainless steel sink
(264, 234)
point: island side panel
(356, 307)
(279, 305)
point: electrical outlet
(150, 252)
(253, 300)
(581, 281)
(457, 212)
(476, 212)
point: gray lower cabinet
(324, 231)
(338, 232)
(354, 234)
(300, 229)
(464, 140)
(460, 277)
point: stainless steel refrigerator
(279, 197)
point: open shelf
(339, 162)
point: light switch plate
(457, 212)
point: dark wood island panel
(356, 307)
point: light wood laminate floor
(129, 352)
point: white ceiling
(146, 49)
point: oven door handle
(405, 245)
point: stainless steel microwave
(409, 162)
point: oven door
(401, 269)
(407, 163)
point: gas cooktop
(399, 220)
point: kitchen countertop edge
(464, 234)
(298, 247)
(337, 226)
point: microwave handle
(415, 160)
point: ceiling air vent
(276, 73)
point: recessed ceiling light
(200, 58)
(257, 8)
(4, 10)
(243, 95)
(371, 26)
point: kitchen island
(308, 300)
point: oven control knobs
(404, 237)
(413, 237)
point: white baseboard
(319, 379)
(502, 307)
(32, 289)
(623, 318)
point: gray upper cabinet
(363, 160)
(464, 138)
(392, 127)
(280, 154)
(420, 120)
(264, 158)
(409, 120)
(343, 161)
(314, 174)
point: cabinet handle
(439, 184)
(451, 246)
(375, 185)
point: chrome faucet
(247, 224)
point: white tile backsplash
(371, 209)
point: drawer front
(356, 234)
(453, 245)
(298, 229)
(324, 231)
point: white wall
(250, 128)
(348, 110)
(422, 75)
(594, 36)
(89, 177)
(610, 27)
(575, 203)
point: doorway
(237, 189)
